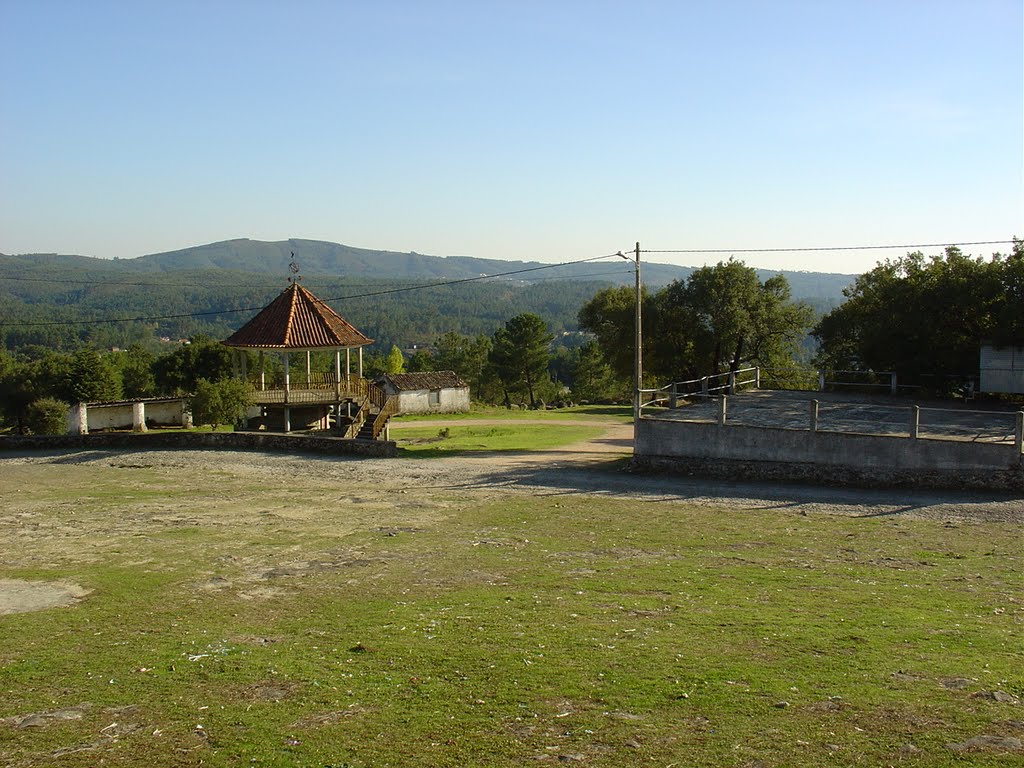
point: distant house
(1002, 369)
(430, 392)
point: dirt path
(593, 467)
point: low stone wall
(257, 441)
(828, 458)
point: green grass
(339, 625)
(524, 437)
(599, 413)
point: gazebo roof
(297, 319)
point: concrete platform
(854, 414)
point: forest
(530, 343)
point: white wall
(418, 401)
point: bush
(219, 402)
(47, 416)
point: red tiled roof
(297, 319)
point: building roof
(407, 382)
(297, 319)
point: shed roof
(297, 319)
(406, 382)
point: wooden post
(892, 383)
(307, 369)
(915, 421)
(757, 377)
(673, 396)
(360, 362)
(704, 386)
(263, 373)
(814, 415)
(1018, 436)
(732, 382)
(821, 379)
(722, 406)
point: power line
(827, 248)
(334, 298)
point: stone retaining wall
(826, 458)
(259, 441)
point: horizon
(529, 132)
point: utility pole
(638, 395)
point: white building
(429, 392)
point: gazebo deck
(320, 389)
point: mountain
(317, 257)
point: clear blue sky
(549, 130)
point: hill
(214, 288)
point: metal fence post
(814, 415)
(722, 405)
(915, 421)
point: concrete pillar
(704, 386)
(732, 382)
(915, 421)
(139, 417)
(821, 379)
(78, 419)
(814, 415)
(722, 406)
(287, 419)
(1018, 433)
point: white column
(337, 373)
(307, 368)
(139, 417)
(263, 373)
(287, 378)
(360, 362)
(348, 361)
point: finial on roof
(294, 269)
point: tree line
(912, 315)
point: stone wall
(259, 441)
(830, 458)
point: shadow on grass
(565, 473)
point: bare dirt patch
(17, 596)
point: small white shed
(1002, 369)
(428, 392)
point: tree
(593, 379)
(468, 357)
(520, 354)
(419, 361)
(202, 358)
(719, 318)
(91, 378)
(136, 368)
(729, 317)
(918, 316)
(394, 361)
(219, 402)
(47, 416)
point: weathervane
(294, 269)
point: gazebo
(297, 322)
